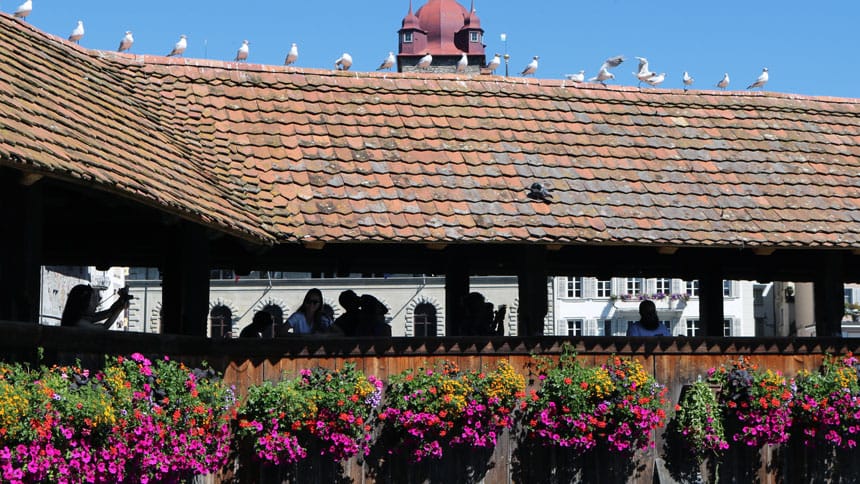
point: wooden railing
(674, 362)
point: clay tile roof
(279, 155)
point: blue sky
(808, 47)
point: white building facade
(588, 306)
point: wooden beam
(29, 179)
(185, 282)
(829, 293)
(313, 244)
(711, 313)
(667, 250)
(532, 291)
(436, 246)
(764, 251)
(456, 289)
(22, 219)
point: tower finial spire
(410, 8)
(471, 10)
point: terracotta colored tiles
(285, 154)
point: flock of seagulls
(646, 75)
(344, 62)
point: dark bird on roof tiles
(539, 192)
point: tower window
(407, 37)
(474, 36)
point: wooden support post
(711, 314)
(829, 295)
(456, 290)
(532, 290)
(185, 300)
(22, 219)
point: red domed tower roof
(442, 19)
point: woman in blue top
(310, 317)
(649, 323)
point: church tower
(446, 30)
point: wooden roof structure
(273, 165)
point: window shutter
(589, 287)
(561, 286)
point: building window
(849, 296)
(663, 286)
(693, 288)
(606, 330)
(407, 37)
(634, 286)
(424, 320)
(692, 327)
(574, 327)
(604, 288)
(727, 288)
(221, 322)
(216, 274)
(573, 288)
(667, 323)
(474, 36)
(727, 327)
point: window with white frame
(693, 288)
(407, 37)
(727, 288)
(606, 329)
(634, 286)
(849, 295)
(727, 327)
(663, 285)
(692, 327)
(474, 36)
(574, 327)
(604, 288)
(573, 288)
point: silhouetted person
(81, 304)
(350, 320)
(372, 320)
(649, 323)
(260, 325)
(480, 318)
(310, 317)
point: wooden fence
(674, 362)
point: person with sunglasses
(310, 317)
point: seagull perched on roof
(656, 79)
(242, 53)
(761, 81)
(179, 47)
(602, 76)
(292, 55)
(388, 63)
(644, 73)
(538, 192)
(126, 42)
(24, 9)
(688, 81)
(78, 33)
(531, 68)
(462, 63)
(343, 63)
(494, 63)
(578, 77)
(425, 62)
(724, 82)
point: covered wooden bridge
(185, 164)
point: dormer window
(474, 36)
(407, 37)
